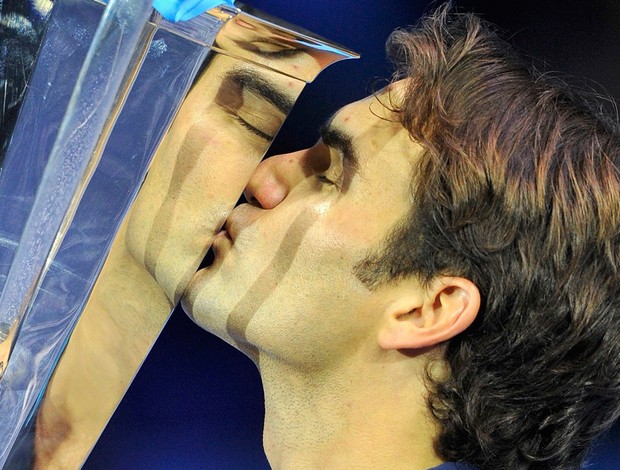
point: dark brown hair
(518, 191)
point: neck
(367, 415)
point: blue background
(197, 403)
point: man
(436, 279)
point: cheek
(325, 263)
(347, 235)
(311, 317)
(297, 248)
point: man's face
(283, 283)
(218, 137)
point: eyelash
(325, 179)
(281, 54)
(277, 54)
(253, 129)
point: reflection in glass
(248, 82)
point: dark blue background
(197, 402)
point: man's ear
(421, 318)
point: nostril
(253, 201)
(249, 197)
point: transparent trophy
(134, 141)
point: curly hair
(519, 191)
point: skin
(342, 366)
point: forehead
(374, 111)
(375, 129)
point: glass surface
(200, 167)
(113, 59)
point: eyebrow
(284, 53)
(253, 82)
(340, 140)
(281, 54)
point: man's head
(283, 283)
(474, 217)
(519, 191)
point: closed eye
(254, 102)
(253, 129)
(324, 179)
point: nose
(275, 177)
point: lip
(222, 234)
(221, 244)
(230, 230)
(238, 219)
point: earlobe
(445, 309)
